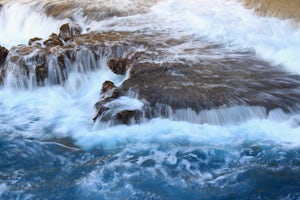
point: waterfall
(152, 99)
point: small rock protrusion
(119, 66)
(35, 41)
(67, 31)
(53, 40)
(106, 86)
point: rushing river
(50, 148)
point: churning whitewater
(239, 147)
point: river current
(50, 148)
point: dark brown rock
(128, 117)
(40, 73)
(106, 86)
(67, 31)
(35, 41)
(53, 40)
(3, 54)
(203, 87)
(119, 65)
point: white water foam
(20, 22)
(222, 22)
(67, 111)
(53, 112)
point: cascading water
(240, 141)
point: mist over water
(51, 148)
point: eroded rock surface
(213, 84)
(50, 63)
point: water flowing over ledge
(190, 99)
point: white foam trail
(164, 130)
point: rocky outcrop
(169, 87)
(276, 8)
(50, 63)
(3, 54)
(119, 65)
(67, 31)
(53, 40)
(110, 109)
(35, 41)
(106, 86)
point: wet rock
(119, 65)
(3, 54)
(35, 41)
(67, 31)
(108, 93)
(41, 74)
(170, 87)
(106, 86)
(128, 117)
(53, 40)
(81, 53)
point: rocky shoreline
(165, 88)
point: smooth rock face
(276, 8)
(203, 87)
(199, 87)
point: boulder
(128, 117)
(109, 92)
(106, 86)
(35, 41)
(67, 31)
(53, 40)
(119, 65)
(3, 55)
(167, 88)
